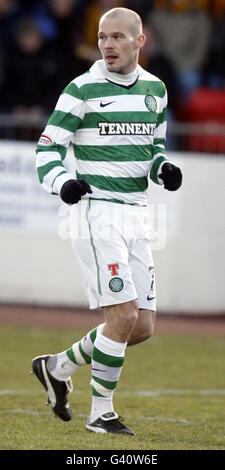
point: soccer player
(115, 117)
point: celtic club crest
(150, 103)
(116, 284)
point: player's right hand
(171, 176)
(72, 190)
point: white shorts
(111, 244)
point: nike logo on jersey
(106, 104)
(150, 298)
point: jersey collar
(99, 71)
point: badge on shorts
(116, 284)
(150, 103)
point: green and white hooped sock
(61, 366)
(107, 362)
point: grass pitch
(171, 392)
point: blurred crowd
(45, 44)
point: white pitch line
(156, 393)
(142, 393)
(28, 392)
(29, 412)
(12, 392)
(83, 415)
(168, 420)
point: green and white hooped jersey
(117, 133)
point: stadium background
(44, 45)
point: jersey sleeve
(53, 144)
(158, 151)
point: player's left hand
(171, 176)
(72, 190)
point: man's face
(118, 44)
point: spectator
(67, 16)
(184, 38)
(153, 60)
(33, 72)
(214, 69)
(10, 10)
(87, 50)
(183, 5)
(142, 7)
(216, 8)
(61, 21)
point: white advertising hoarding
(187, 237)
(23, 204)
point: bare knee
(120, 320)
(144, 327)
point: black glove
(171, 176)
(72, 190)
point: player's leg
(107, 362)
(107, 282)
(142, 265)
(54, 371)
(144, 327)
(124, 326)
(64, 364)
(117, 295)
